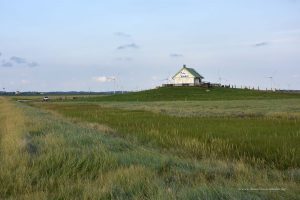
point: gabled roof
(191, 70)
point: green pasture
(193, 94)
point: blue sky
(68, 45)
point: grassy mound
(193, 94)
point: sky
(96, 45)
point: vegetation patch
(84, 158)
(264, 141)
(192, 94)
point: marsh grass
(280, 108)
(263, 141)
(76, 160)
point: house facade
(187, 77)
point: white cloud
(104, 79)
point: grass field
(193, 94)
(245, 138)
(238, 108)
(91, 148)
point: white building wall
(183, 80)
(184, 77)
(197, 81)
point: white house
(187, 77)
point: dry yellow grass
(13, 158)
(12, 124)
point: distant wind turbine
(271, 81)
(271, 78)
(112, 79)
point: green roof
(192, 71)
